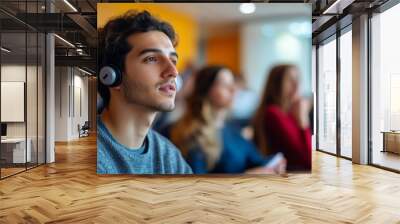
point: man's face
(150, 70)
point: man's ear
(118, 88)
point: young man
(140, 51)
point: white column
(50, 93)
(360, 90)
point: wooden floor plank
(70, 191)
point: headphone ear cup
(109, 76)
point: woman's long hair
(272, 95)
(196, 127)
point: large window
(346, 93)
(327, 96)
(335, 137)
(385, 89)
(22, 88)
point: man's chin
(166, 107)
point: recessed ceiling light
(84, 71)
(64, 40)
(70, 5)
(247, 8)
(335, 7)
(5, 50)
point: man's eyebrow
(174, 54)
(155, 50)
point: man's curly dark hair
(113, 46)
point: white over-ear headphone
(110, 76)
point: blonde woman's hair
(196, 127)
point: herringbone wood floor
(69, 191)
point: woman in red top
(281, 122)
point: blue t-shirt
(157, 155)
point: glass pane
(314, 90)
(13, 86)
(346, 94)
(386, 89)
(31, 97)
(327, 97)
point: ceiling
(80, 27)
(75, 26)
(39, 6)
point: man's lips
(167, 87)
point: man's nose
(170, 70)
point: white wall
(61, 103)
(16, 72)
(80, 84)
(71, 93)
(269, 42)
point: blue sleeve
(254, 157)
(197, 161)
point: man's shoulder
(161, 141)
(169, 155)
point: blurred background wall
(222, 33)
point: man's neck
(129, 125)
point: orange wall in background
(185, 26)
(224, 49)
